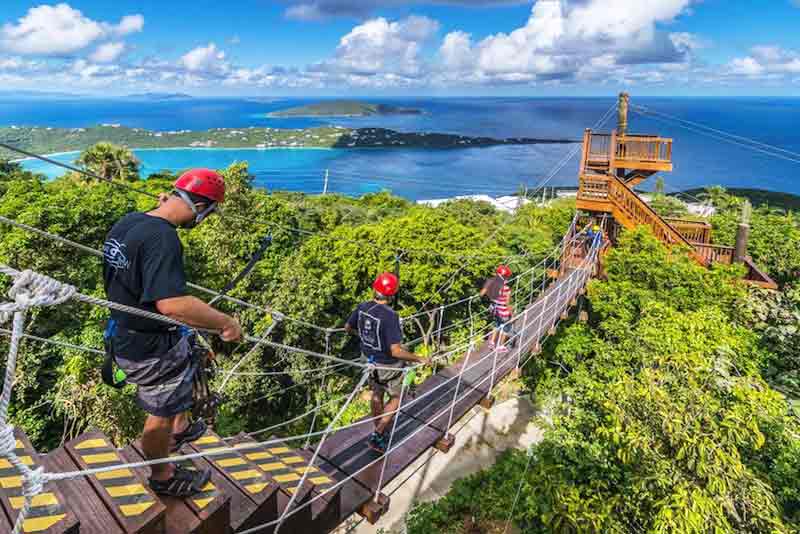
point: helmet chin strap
(198, 215)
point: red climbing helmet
(386, 284)
(504, 271)
(203, 182)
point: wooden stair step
(254, 499)
(80, 496)
(126, 493)
(49, 512)
(286, 466)
(207, 512)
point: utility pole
(325, 186)
(743, 233)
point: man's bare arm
(402, 354)
(195, 312)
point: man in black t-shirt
(378, 328)
(143, 268)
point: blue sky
(403, 47)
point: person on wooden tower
(143, 268)
(378, 328)
(497, 290)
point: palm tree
(110, 162)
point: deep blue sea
(700, 159)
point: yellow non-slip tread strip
(205, 440)
(40, 524)
(100, 458)
(126, 491)
(43, 499)
(11, 482)
(116, 473)
(279, 450)
(5, 464)
(256, 488)
(292, 460)
(274, 466)
(244, 475)
(291, 477)
(135, 509)
(92, 444)
(231, 462)
(257, 455)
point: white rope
(29, 289)
(55, 342)
(246, 357)
(310, 465)
(395, 419)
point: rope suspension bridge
(312, 482)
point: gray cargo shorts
(161, 365)
(385, 380)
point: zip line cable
(749, 144)
(649, 110)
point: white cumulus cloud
(60, 29)
(565, 39)
(205, 59)
(107, 52)
(380, 47)
(768, 60)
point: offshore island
(343, 108)
(46, 140)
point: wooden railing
(611, 150)
(599, 147)
(694, 231)
(593, 187)
(636, 211)
(714, 253)
(643, 148)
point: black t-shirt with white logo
(142, 263)
(378, 327)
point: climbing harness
(206, 401)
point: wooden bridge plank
(205, 513)
(81, 496)
(267, 460)
(348, 451)
(126, 494)
(49, 513)
(245, 477)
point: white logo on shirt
(369, 330)
(114, 254)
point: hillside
(344, 108)
(50, 140)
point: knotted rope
(28, 290)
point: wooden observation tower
(612, 164)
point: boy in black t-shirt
(143, 268)
(378, 328)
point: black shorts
(502, 324)
(162, 365)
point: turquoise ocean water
(700, 159)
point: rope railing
(31, 289)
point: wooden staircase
(612, 165)
(248, 487)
